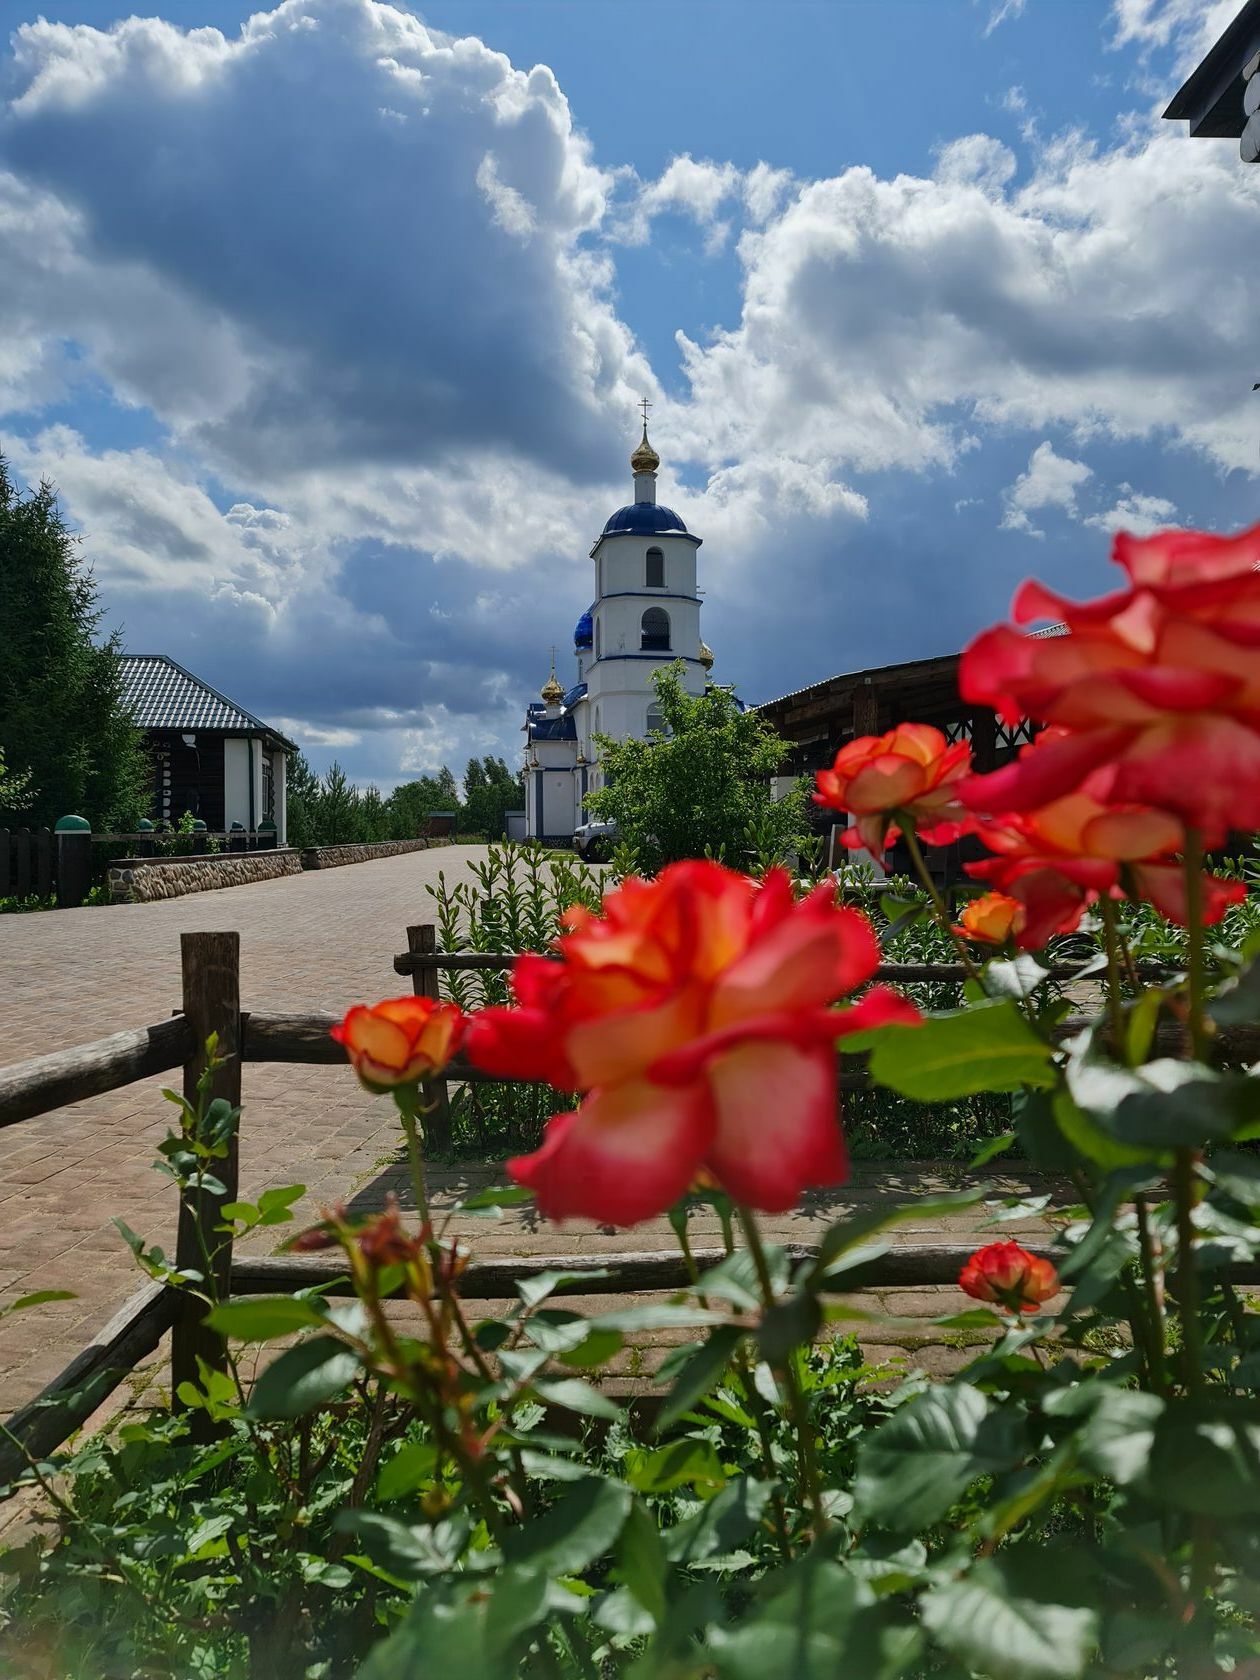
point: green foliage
(65, 731)
(510, 901)
(702, 788)
(332, 811)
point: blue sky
(329, 323)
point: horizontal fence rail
(210, 1003)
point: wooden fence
(211, 1004)
(27, 867)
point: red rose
(1157, 687)
(694, 1015)
(1008, 1274)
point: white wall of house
(236, 769)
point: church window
(655, 719)
(598, 639)
(655, 630)
(655, 569)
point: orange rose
(911, 774)
(695, 1015)
(1058, 860)
(1008, 1274)
(400, 1041)
(991, 919)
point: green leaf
(577, 1396)
(1168, 1104)
(686, 1463)
(988, 1151)
(698, 1371)
(847, 1234)
(1014, 977)
(914, 1467)
(37, 1300)
(1118, 1432)
(410, 1468)
(1040, 1136)
(211, 1528)
(986, 1048)
(822, 1624)
(410, 1552)
(641, 1564)
(721, 1524)
(495, 1196)
(655, 1315)
(259, 1318)
(302, 1378)
(1209, 1463)
(533, 1291)
(987, 1622)
(274, 1205)
(788, 1324)
(576, 1531)
(1237, 1004)
(594, 1350)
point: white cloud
(1051, 481)
(1139, 514)
(1001, 11)
(1189, 25)
(695, 187)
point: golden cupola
(551, 692)
(645, 459)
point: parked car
(593, 841)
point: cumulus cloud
(1051, 481)
(1140, 514)
(362, 278)
(384, 221)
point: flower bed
(405, 1487)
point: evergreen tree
(338, 808)
(490, 792)
(302, 801)
(64, 725)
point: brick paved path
(318, 941)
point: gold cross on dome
(644, 405)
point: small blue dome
(644, 519)
(584, 631)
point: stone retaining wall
(332, 857)
(141, 880)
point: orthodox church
(645, 615)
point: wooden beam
(70, 1076)
(91, 1376)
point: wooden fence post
(74, 861)
(212, 1004)
(435, 1092)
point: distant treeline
(331, 811)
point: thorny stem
(1115, 1017)
(756, 1403)
(805, 1446)
(405, 1098)
(1153, 1282)
(938, 903)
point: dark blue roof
(584, 631)
(574, 695)
(562, 728)
(644, 518)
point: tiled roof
(163, 695)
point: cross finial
(644, 405)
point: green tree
(411, 802)
(491, 790)
(64, 723)
(701, 787)
(338, 807)
(301, 801)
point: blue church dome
(584, 632)
(644, 519)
